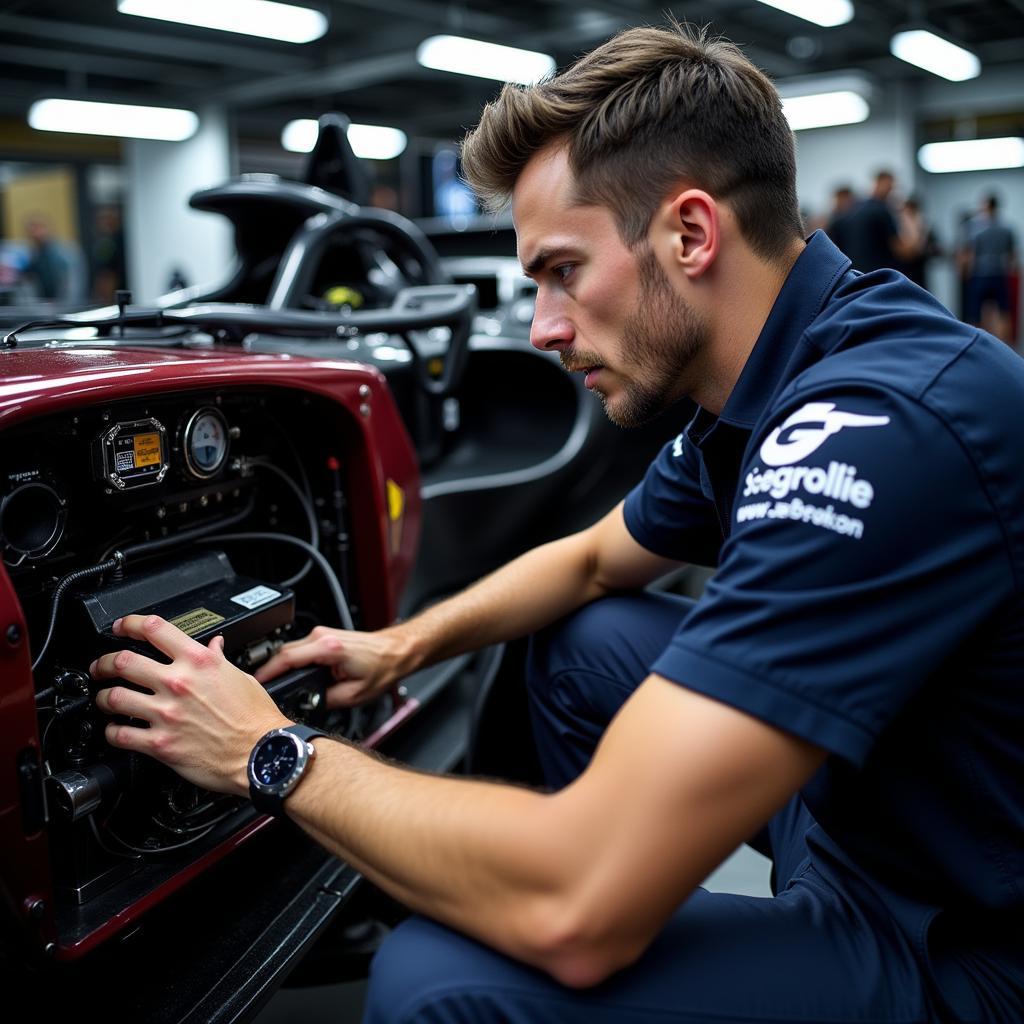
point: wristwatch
(277, 763)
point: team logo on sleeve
(835, 491)
(808, 429)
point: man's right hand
(364, 665)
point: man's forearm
(478, 856)
(531, 591)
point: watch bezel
(305, 752)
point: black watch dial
(275, 760)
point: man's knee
(615, 637)
(569, 643)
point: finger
(130, 666)
(348, 694)
(119, 700)
(161, 634)
(321, 651)
(217, 644)
(129, 737)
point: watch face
(275, 760)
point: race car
(348, 428)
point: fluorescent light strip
(926, 50)
(823, 110)
(484, 60)
(827, 13)
(263, 18)
(369, 141)
(87, 117)
(972, 155)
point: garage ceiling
(365, 64)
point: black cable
(307, 507)
(59, 591)
(333, 585)
(152, 547)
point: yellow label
(147, 450)
(196, 621)
(396, 501)
(396, 507)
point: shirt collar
(803, 295)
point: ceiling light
(926, 50)
(972, 155)
(484, 60)
(824, 110)
(263, 18)
(827, 13)
(88, 117)
(369, 141)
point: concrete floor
(745, 872)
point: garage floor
(744, 872)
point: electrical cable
(59, 591)
(151, 547)
(307, 507)
(333, 585)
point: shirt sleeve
(863, 552)
(669, 513)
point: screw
(364, 390)
(13, 634)
(36, 909)
(364, 410)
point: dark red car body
(36, 382)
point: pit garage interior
(319, 177)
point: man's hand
(204, 714)
(365, 665)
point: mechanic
(846, 694)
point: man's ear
(690, 224)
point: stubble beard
(661, 341)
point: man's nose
(550, 330)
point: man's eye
(563, 271)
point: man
(836, 225)
(870, 234)
(989, 258)
(847, 691)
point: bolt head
(13, 634)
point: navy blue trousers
(808, 954)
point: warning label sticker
(196, 621)
(255, 597)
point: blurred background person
(917, 240)
(108, 264)
(870, 232)
(836, 226)
(989, 258)
(54, 267)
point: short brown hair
(647, 109)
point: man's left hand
(204, 714)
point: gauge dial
(206, 443)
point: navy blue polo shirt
(862, 495)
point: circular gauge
(205, 443)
